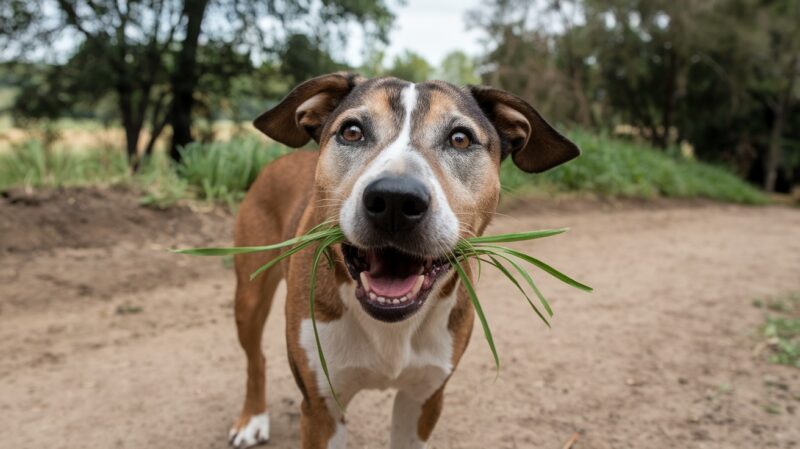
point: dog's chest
(414, 355)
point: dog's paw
(255, 431)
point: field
(110, 341)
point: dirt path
(115, 343)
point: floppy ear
(533, 144)
(303, 113)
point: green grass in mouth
(484, 249)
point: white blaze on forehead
(396, 150)
(397, 155)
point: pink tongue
(391, 287)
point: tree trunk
(669, 100)
(132, 126)
(184, 79)
(773, 158)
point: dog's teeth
(403, 298)
(373, 296)
(417, 286)
(381, 299)
(395, 301)
(364, 280)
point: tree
(458, 68)
(150, 48)
(410, 66)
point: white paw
(255, 432)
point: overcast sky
(431, 28)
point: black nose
(395, 203)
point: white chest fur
(413, 356)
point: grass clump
(224, 170)
(218, 171)
(621, 168)
(781, 332)
(484, 249)
(31, 163)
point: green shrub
(225, 170)
(615, 167)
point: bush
(615, 167)
(225, 170)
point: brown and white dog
(405, 170)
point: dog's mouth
(391, 285)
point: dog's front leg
(413, 419)
(321, 427)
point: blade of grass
(504, 270)
(516, 237)
(541, 265)
(312, 307)
(252, 249)
(527, 278)
(473, 297)
(280, 257)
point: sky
(431, 28)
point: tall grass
(222, 171)
(621, 168)
(31, 163)
(219, 171)
(225, 170)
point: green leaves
(483, 249)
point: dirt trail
(115, 343)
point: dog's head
(408, 169)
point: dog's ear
(303, 113)
(533, 144)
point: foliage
(164, 61)
(723, 76)
(225, 170)
(221, 171)
(616, 167)
(31, 163)
(410, 66)
(458, 68)
(782, 329)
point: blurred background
(125, 129)
(643, 84)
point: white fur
(405, 418)
(255, 432)
(339, 438)
(445, 227)
(413, 356)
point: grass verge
(222, 171)
(781, 332)
(621, 168)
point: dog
(405, 170)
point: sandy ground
(108, 341)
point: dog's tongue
(392, 287)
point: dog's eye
(460, 140)
(352, 133)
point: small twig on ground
(571, 441)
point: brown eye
(352, 133)
(459, 140)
